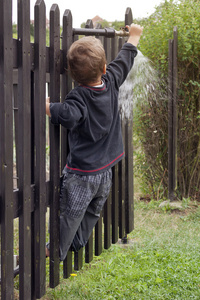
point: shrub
(151, 116)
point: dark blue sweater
(92, 117)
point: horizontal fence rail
(30, 71)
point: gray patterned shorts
(78, 191)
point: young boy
(90, 112)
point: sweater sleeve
(69, 113)
(119, 68)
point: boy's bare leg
(47, 252)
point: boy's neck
(95, 83)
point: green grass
(161, 261)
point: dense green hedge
(151, 115)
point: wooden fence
(25, 70)
(172, 115)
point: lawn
(161, 260)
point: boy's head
(86, 59)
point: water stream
(142, 84)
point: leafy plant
(151, 117)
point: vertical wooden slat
(89, 245)
(98, 226)
(40, 166)
(6, 150)
(65, 89)
(107, 47)
(107, 222)
(107, 206)
(24, 134)
(172, 115)
(122, 191)
(122, 187)
(129, 204)
(67, 265)
(15, 139)
(89, 250)
(66, 80)
(175, 79)
(89, 24)
(128, 16)
(115, 195)
(54, 145)
(115, 208)
(98, 236)
(170, 121)
(78, 259)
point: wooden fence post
(54, 61)
(172, 116)
(115, 175)
(122, 180)
(67, 39)
(6, 151)
(89, 245)
(24, 139)
(40, 149)
(98, 227)
(129, 201)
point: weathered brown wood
(172, 115)
(40, 149)
(66, 80)
(128, 16)
(107, 222)
(115, 191)
(89, 250)
(6, 151)
(54, 60)
(175, 84)
(98, 236)
(66, 86)
(129, 203)
(122, 191)
(89, 24)
(78, 260)
(115, 204)
(170, 122)
(24, 138)
(67, 265)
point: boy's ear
(104, 69)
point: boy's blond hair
(86, 59)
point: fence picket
(98, 227)
(115, 190)
(129, 204)
(66, 82)
(6, 152)
(24, 138)
(54, 145)
(98, 236)
(40, 148)
(107, 205)
(122, 191)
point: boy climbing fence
(25, 69)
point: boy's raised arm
(135, 31)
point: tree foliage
(151, 117)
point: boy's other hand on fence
(135, 31)
(48, 107)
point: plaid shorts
(80, 191)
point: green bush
(152, 115)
